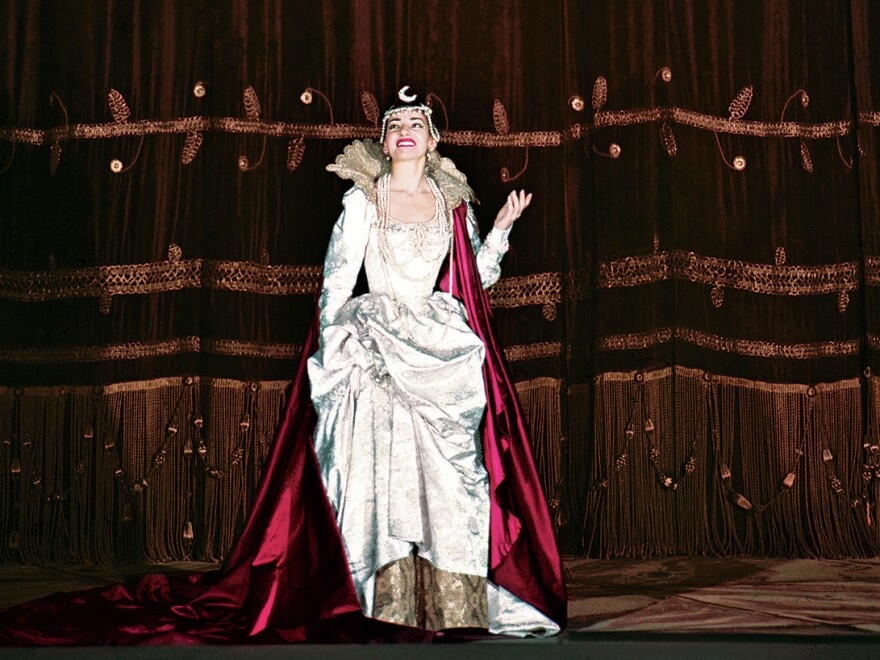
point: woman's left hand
(512, 209)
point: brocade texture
(398, 388)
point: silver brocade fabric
(397, 385)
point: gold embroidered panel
(518, 291)
(213, 346)
(246, 276)
(783, 129)
(157, 277)
(635, 341)
(543, 349)
(733, 273)
(543, 289)
(747, 347)
(151, 349)
(514, 353)
(872, 271)
(277, 129)
(280, 129)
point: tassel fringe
(132, 471)
(685, 462)
(673, 461)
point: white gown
(398, 389)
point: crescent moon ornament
(403, 96)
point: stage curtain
(689, 306)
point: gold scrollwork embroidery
(246, 276)
(151, 349)
(520, 139)
(543, 289)
(731, 273)
(544, 349)
(31, 286)
(747, 347)
(784, 129)
(263, 278)
(279, 129)
(872, 270)
(239, 348)
(333, 131)
(635, 341)
(126, 351)
(157, 277)
(23, 135)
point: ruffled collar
(363, 163)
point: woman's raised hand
(513, 208)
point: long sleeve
(345, 254)
(488, 253)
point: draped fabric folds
(287, 577)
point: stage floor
(663, 607)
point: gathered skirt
(398, 388)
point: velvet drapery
(692, 294)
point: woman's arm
(345, 254)
(490, 252)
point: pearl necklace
(389, 255)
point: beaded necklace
(421, 229)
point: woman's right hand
(513, 208)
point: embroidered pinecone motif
(741, 102)
(842, 301)
(118, 107)
(806, 159)
(600, 93)
(190, 147)
(371, 107)
(54, 157)
(668, 138)
(251, 103)
(717, 295)
(295, 150)
(499, 116)
(779, 256)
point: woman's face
(407, 136)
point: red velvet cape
(287, 578)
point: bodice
(403, 259)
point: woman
(399, 391)
(406, 381)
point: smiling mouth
(406, 142)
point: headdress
(404, 102)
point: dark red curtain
(705, 179)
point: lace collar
(363, 162)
